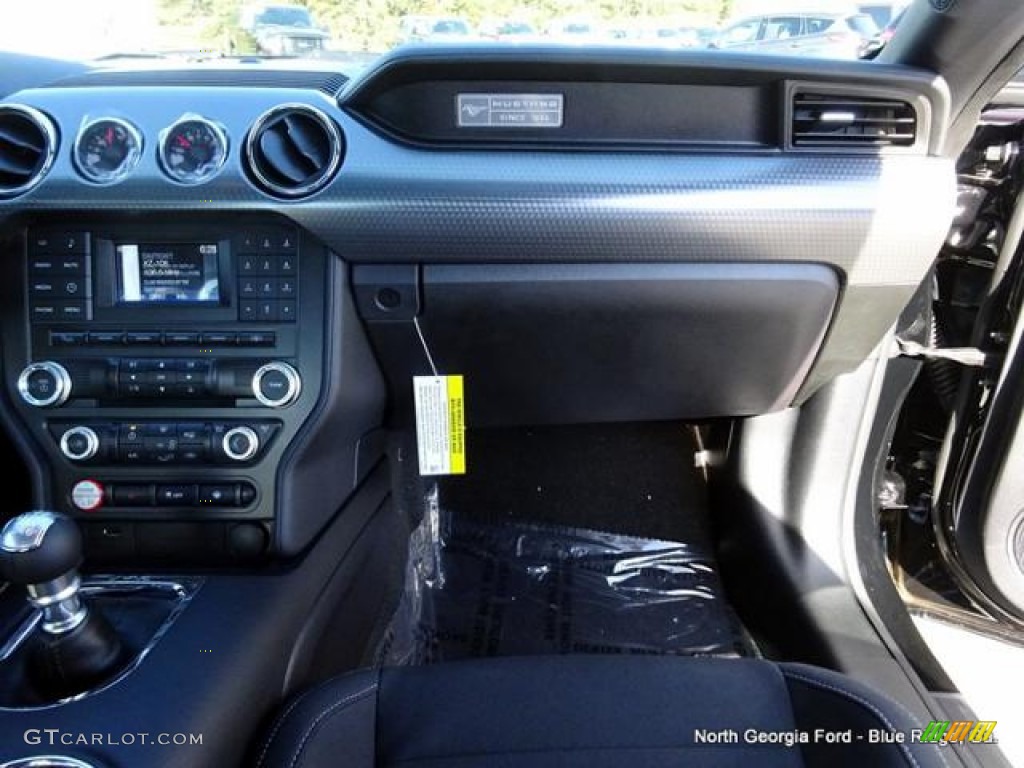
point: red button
(87, 495)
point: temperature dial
(240, 444)
(80, 443)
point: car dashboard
(219, 282)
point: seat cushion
(598, 711)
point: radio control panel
(164, 368)
(76, 276)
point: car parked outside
(509, 31)
(284, 30)
(435, 29)
(828, 35)
(576, 31)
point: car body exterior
(820, 34)
(705, 36)
(677, 37)
(656, 36)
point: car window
(815, 25)
(781, 27)
(744, 32)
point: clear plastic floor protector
(519, 589)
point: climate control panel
(156, 443)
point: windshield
(354, 32)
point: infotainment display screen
(168, 273)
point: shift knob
(76, 648)
(39, 547)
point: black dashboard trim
(504, 69)
(393, 203)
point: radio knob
(44, 384)
(240, 443)
(276, 385)
(80, 443)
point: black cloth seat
(594, 711)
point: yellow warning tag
(440, 424)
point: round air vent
(28, 145)
(294, 150)
(47, 761)
(1017, 543)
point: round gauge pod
(193, 150)
(107, 149)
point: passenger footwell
(475, 589)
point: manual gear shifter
(76, 648)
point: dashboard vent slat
(28, 145)
(20, 138)
(294, 150)
(307, 143)
(836, 121)
(10, 167)
(282, 159)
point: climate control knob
(276, 385)
(44, 384)
(80, 443)
(240, 443)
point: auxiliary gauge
(193, 150)
(106, 150)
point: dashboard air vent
(820, 120)
(294, 150)
(28, 145)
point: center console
(198, 408)
(162, 371)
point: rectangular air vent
(821, 120)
